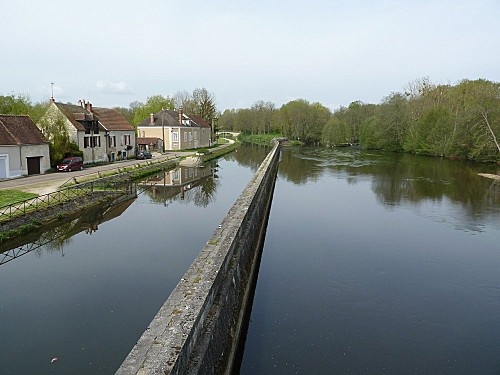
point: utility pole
(162, 133)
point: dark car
(144, 155)
(70, 164)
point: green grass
(261, 139)
(13, 196)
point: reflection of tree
(397, 178)
(56, 238)
(249, 155)
(298, 167)
(205, 193)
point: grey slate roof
(171, 118)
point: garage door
(33, 165)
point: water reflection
(399, 178)
(55, 237)
(249, 155)
(196, 185)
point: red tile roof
(19, 130)
(111, 119)
(146, 140)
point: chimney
(152, 122)
(88, 107)
(82, 103)
(180, 116)
(52, 100)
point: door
(4, 166)
(33, 165)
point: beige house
(176, 130)
(101, 133)
(23, 148)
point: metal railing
(112, 185)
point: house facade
(176, 130)
(101, 133)
(119, 134)
(23, 148)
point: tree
(54, 129)
(204, 104)
(303, 121)
(336, 132)
(153, 104)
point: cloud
(110, 87)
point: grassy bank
(260, 139)
(13, 196)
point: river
(378, 263)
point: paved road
(46, 183)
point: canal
(87, 289)
(378, 263)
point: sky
(112, 52)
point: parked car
(144, 155)
(70, 164)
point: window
(127, 139)
(143, 134)
(175, 137)
(195, 135)
(91, 142)
(185, 136)
(112, 141)
(190, 136)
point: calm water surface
(86, 297)
(378, 264)
(373, 264)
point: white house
(101, 133)
(23, 148)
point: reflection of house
(102, 134)
(23, 148)
(178, 181)
(176, 130)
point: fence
(120, 184)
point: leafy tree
(303, 121)
(153, 104)
(336, 132)
(54, 129)
(15, 105)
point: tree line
(455, 121)
(200, 102)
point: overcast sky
(334, 52)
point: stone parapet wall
(197, 328)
